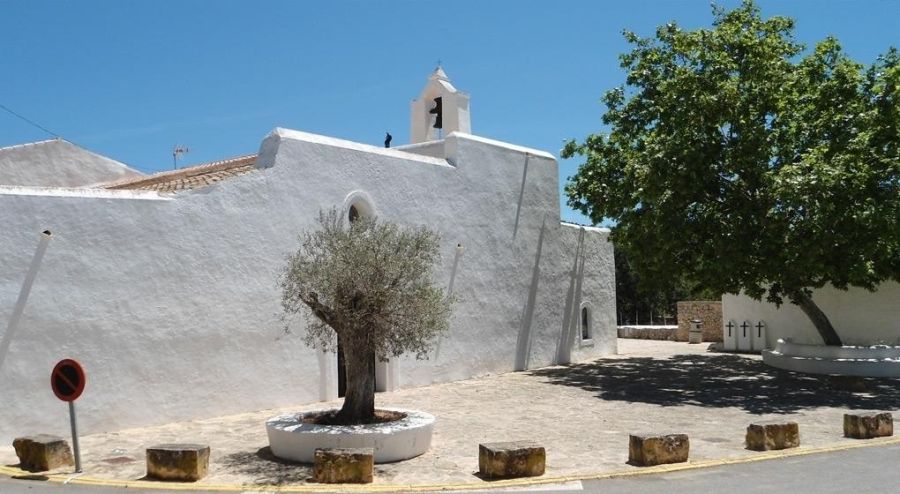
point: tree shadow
(722, 381)
(267, 469)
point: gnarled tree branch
(320, 310)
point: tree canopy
(737, 160)
(370, 284)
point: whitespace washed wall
(172, 306)
(58, 163)
(859, 316)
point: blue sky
(131, 79)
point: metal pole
(23, 295)
(75, 437)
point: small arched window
(586, 323)
(359, 206)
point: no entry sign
(67, 380)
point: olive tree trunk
(359, 399)
(818, 318)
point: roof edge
(186, 172)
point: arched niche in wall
(585, 326)
(358, 204)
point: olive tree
(368, 285)
(737, 160)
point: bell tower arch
(439, 110)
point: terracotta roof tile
(193, 177)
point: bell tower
(439, 110)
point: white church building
(165, 288)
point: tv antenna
(177, 151)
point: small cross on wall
(730, 326)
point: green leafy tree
(371, 285)
(735, 161)
(641, 298)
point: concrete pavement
(867, 470)
(582, 414)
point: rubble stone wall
(710, 314)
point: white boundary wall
(860, 317)
(172, 306)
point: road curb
(13, 472)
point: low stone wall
(648, 332)
(710, 314)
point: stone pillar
(511, 459)
(868, 425)
(764, 436)
(42, 452)
(647, 449)
(179, 462)
(344, 465)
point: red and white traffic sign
(67, 380)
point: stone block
(344, 465)
(178, 462)
(42, 452)
(647, 449)
(868, 425)
(764, 436)
(511, 459)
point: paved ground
(870, 470)
(582, 414)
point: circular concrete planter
(872, 361)
(402, 439)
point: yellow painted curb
(523, 482)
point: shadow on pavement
(266, 468)
(718, 380)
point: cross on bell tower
(439, 110)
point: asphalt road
(858, 471)
(871, 470)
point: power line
(30, 122)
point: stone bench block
(868, 425)
(647, 449)
(764, 436)
(179, 462)
(511, 459)
(42, 452)
(344, 465)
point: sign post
(67, 381)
